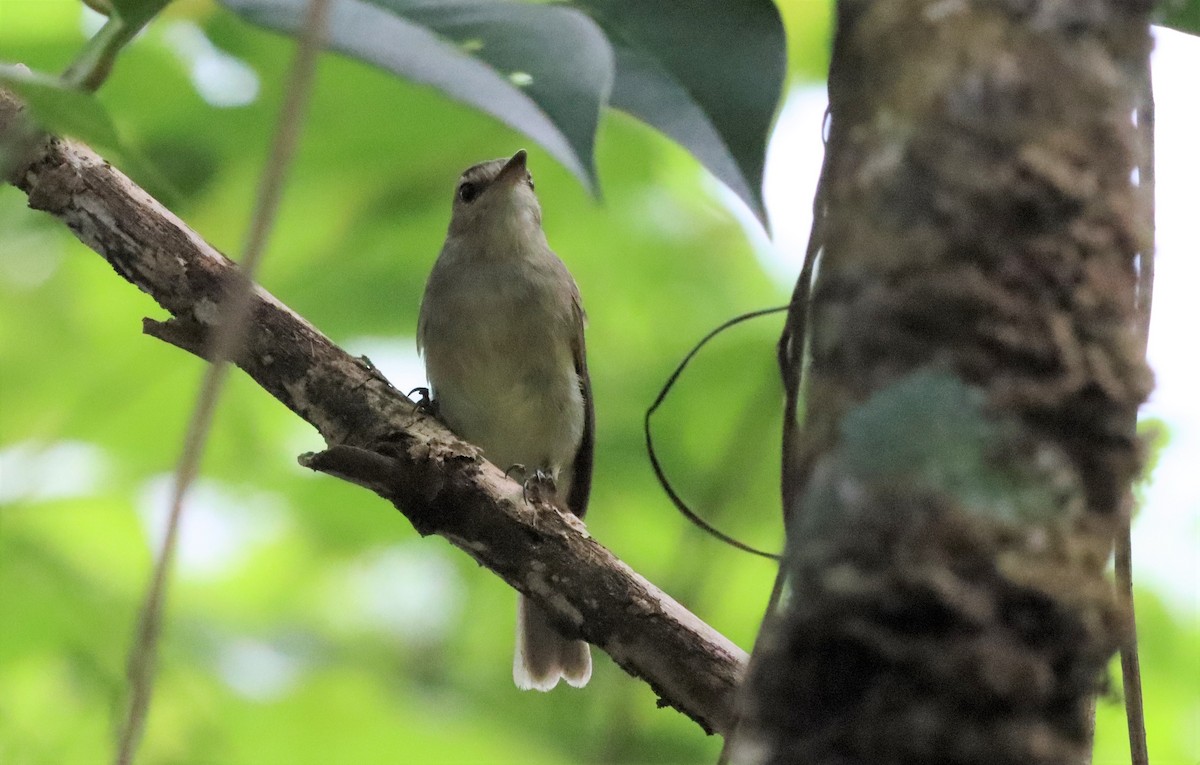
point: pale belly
(503, 377)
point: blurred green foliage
(1183, 15)
(307, 623)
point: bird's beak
(514, 169)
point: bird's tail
(543, 655)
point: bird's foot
(540, 486)
(537, 486)
(424, 403)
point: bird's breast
(497, 345)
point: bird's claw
(535, 486)
(540, 486)
(425, 403)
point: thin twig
(793, 343)
(1131, 672)
(95, 63)
(790, 356)
(142, 657)
(663, 481)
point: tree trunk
(955, 487)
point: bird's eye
(468, 191)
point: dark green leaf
(708, 73)
(544, 70)
(61, 109)
(1183, 15)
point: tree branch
(380, 440)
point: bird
(501, 330)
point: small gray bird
(501, 330)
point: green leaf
(136, 13)
(544, 70)
(1183, 15)
(708, 73)
(61, 109)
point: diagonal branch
(380, 440)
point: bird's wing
(581, 481)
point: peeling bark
(380, 440)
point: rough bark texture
(378, 439)
(973, 308)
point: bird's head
(494, 201)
